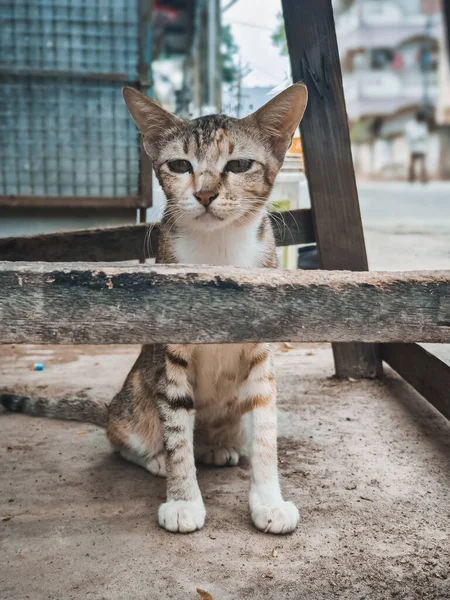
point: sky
(253, 22)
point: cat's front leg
(184, 510)
(270, 513)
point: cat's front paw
(182, 516)
(220, 457)
(281, 518)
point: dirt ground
(367, 463)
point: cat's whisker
(145, 247)
(286, 226)
(175, 221)
(148, 249)
(276, 219)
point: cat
(185, 403)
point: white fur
(156, 465)
(137, 445)
(182, 516)
(137, 452)
(281, 517)
(230, 245)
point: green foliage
(279, 36)
(229, 52)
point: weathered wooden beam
(314, 56)
(427, 373)
(72, 303)
(130, 242)
(90, 245)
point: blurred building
(394, 62)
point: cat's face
(217, 170)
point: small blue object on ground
(38, 367)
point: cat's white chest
(218, 366)
(239, 247)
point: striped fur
(72, 409)
(182, 403)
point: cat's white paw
(220, 457)
(157, 465)
(281, 518)
(182, 516)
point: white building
(393, 62)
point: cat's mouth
(208, 216)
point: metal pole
(426, 62)
(212, 52)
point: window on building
(381, 59)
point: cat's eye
(180, 166)
(240, 165)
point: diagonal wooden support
(76, 303)
(427, 373)
(313, 51)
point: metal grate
(64, 129)
(83, 36)
(66, 138)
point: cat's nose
(205, 198)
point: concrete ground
(406, 226)
(367, 463)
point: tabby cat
(182, 403)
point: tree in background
(229, 52)
(279, 36)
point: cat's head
(217, 170)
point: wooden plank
(90, 245)
(427, 373)
(72, 303)
(130, 242)
(73, 201)
(314, 56)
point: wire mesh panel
(64, 128)
(85, 36)
(66, 138)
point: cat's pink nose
(205, 198)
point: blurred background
(70, 155)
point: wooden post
(314, 56)
(446, 9)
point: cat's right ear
(152, 120)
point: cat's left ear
(152, 120)
(281, 116)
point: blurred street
(407, 227)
